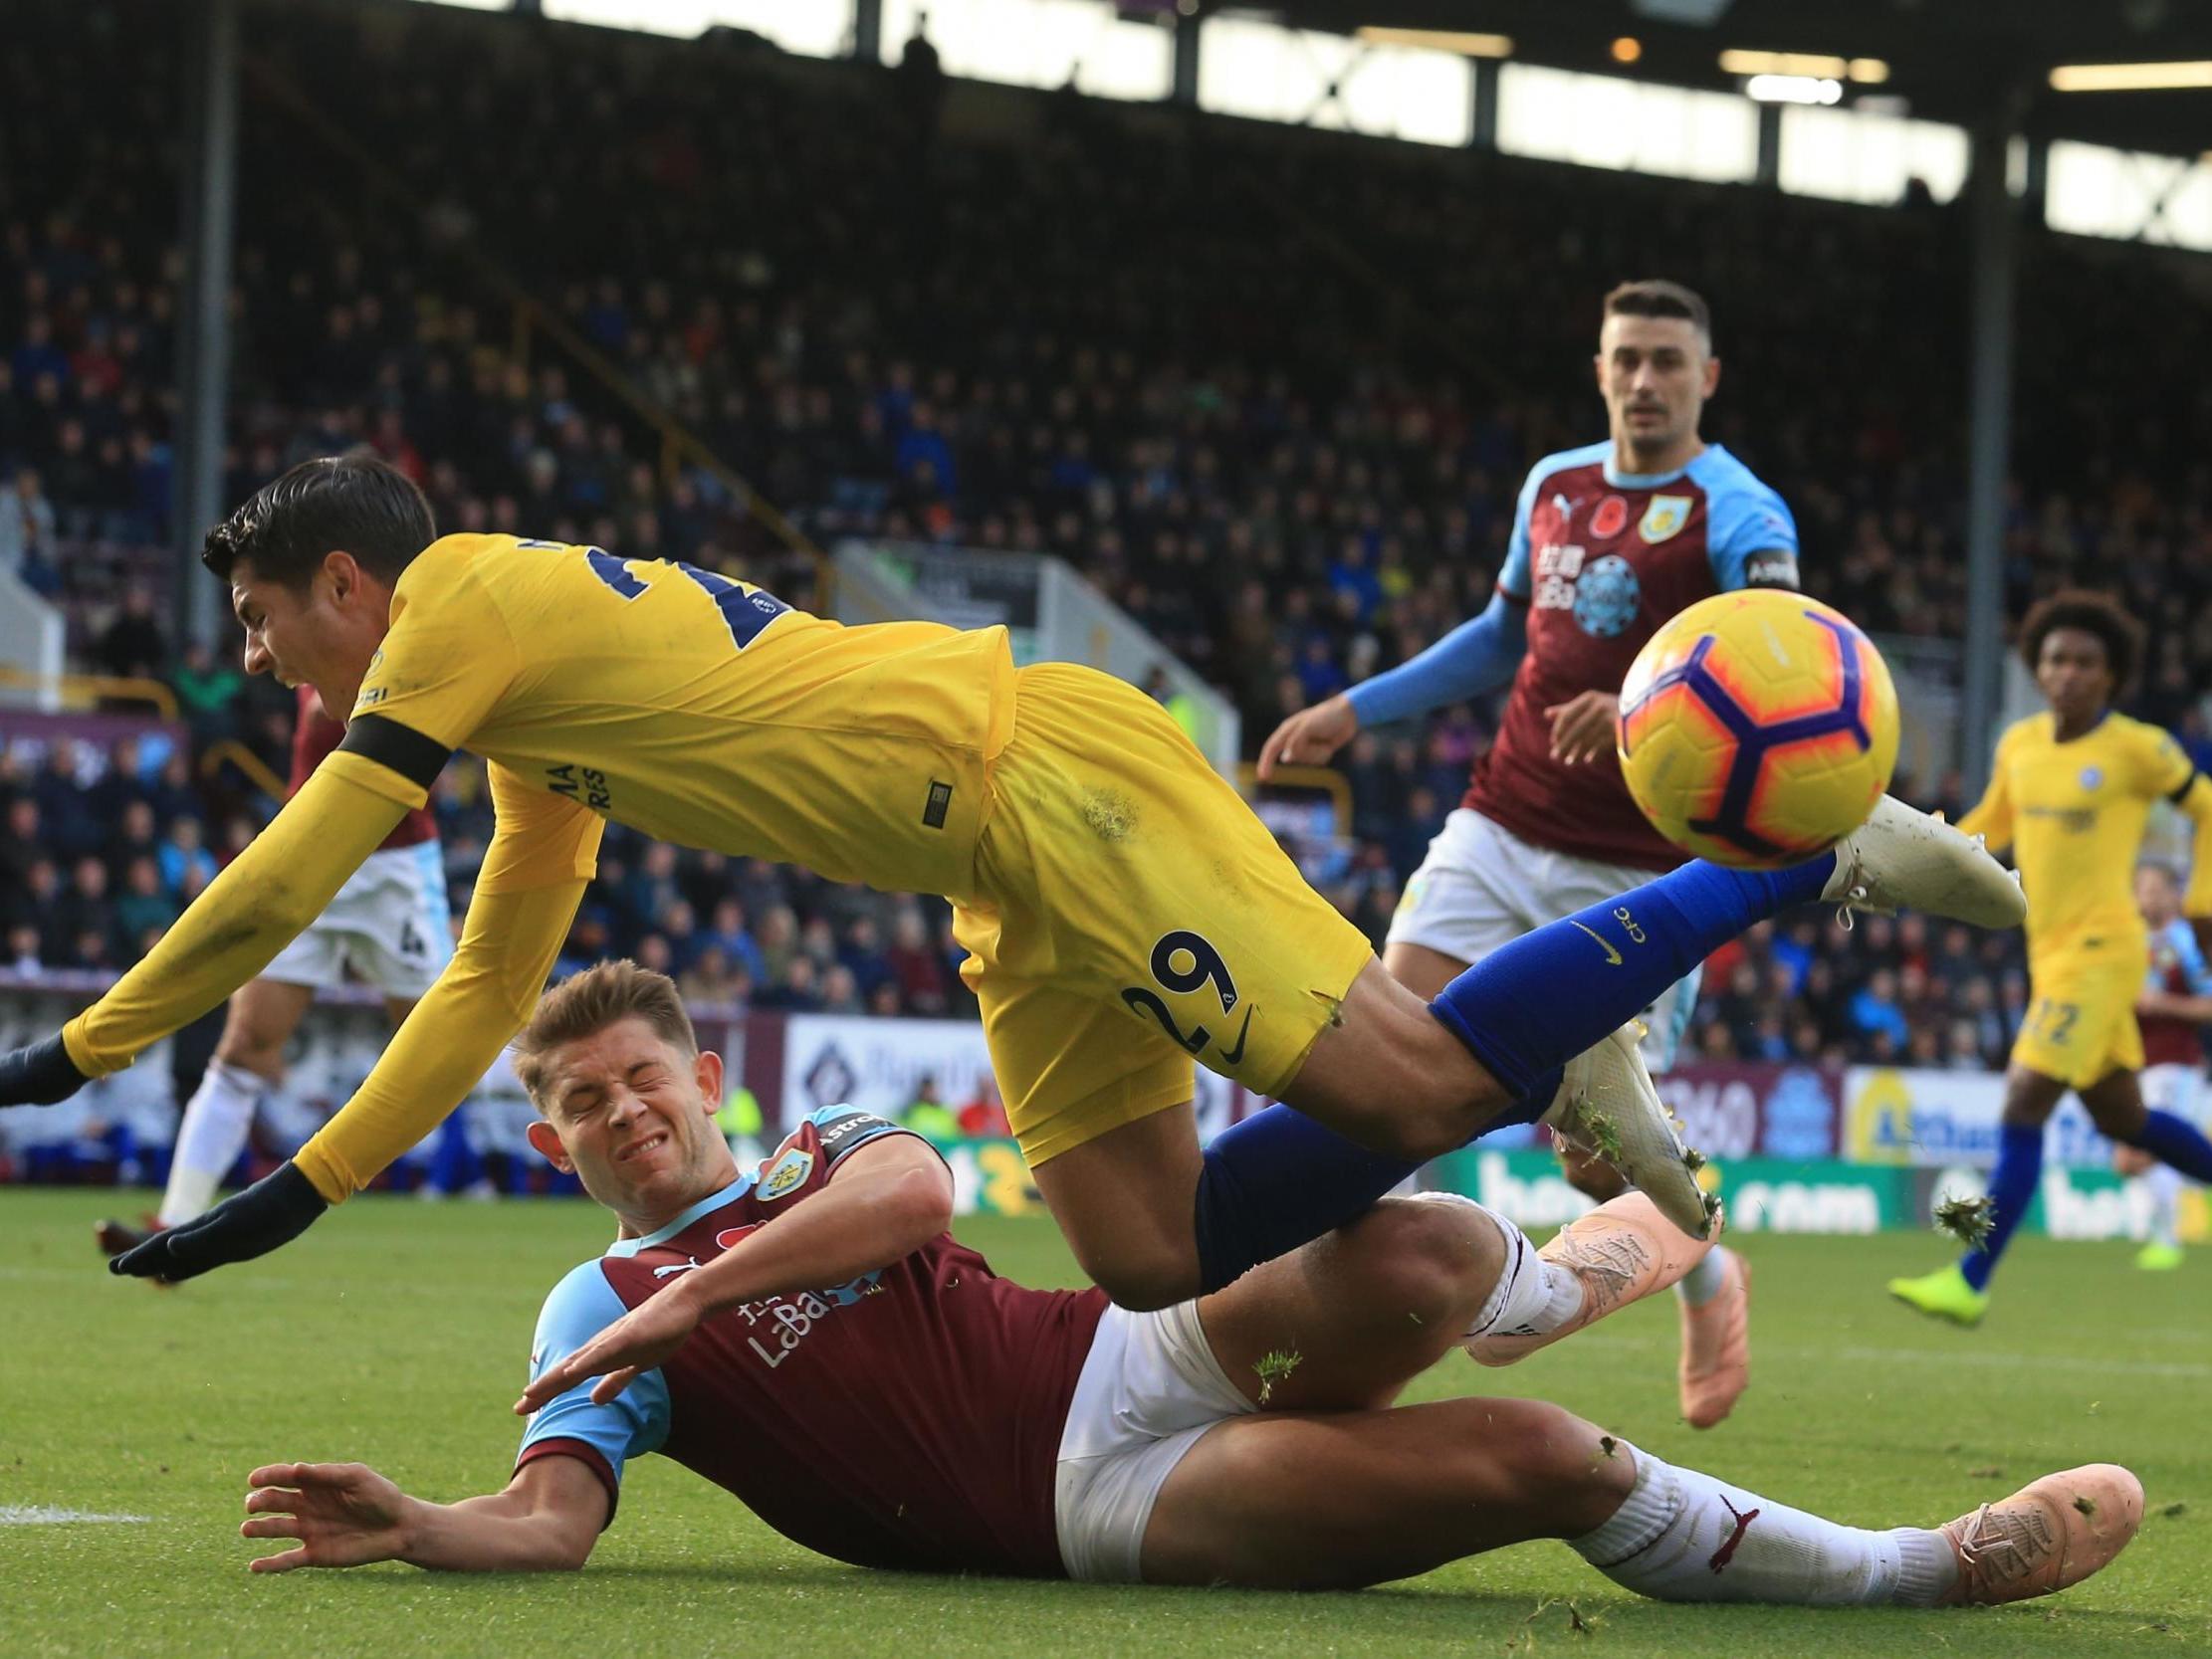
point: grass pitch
(396, 1334)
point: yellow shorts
(2081, 1024)
(1134, 916)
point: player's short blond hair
(587, 1005)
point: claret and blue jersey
(909, 1418)
(1601, 559)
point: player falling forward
(923, 1413)
(1609, 541)
(389, 923)
(2070, 792)
(2173, 1010)
(1123, 911)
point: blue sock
(2012, 1189)
(1279, 1179)
(2175, 1141)
(1534, 1005)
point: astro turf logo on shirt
(786, 1174)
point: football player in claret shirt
(389, 926)
(1609, 541)
(810, 1337)
(2070, 792)
(2173, 1010)
(1124, 911)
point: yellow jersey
(700, 709)
(694, 708)
(2073, 815)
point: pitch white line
(44, 1515)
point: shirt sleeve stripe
(583, 1452)
(2184, 786)
(417, 758)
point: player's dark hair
(1656, 297)
(585, 1004)
(2093, 613)
(354, 503)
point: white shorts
(1482, 887)
(2175, 1089)
(389, 923)
(1151, 1389)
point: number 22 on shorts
(1205, 967)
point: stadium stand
(1048, 347)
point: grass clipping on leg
(1276, 1367)
(1969, 1220)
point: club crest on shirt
(786, 1174)
(1611, 514)
(1665, 516)
(2091, 776)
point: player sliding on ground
(1123, 911)
(920, 1412)
(2070, 792)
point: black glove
(275, 1210)
(39, 1074)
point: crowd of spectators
(1272, 390)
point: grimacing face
(1656, 374)
(632, 1117)
(322, 635)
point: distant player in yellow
(2070, 792)
(1124, 911)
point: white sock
(2164, 1185)
(217, 1119)
(1680, 1535)
(1533, 1296)
(1703, 1282)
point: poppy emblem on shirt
(2091, 776)
(1665, 516)
(1611, 517)
(730, 1235)
(785, 1175)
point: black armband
(401, 749)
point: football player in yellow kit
(1124, 911)
(2070, 792)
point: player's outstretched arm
(534, 876)
(440, 1052)
(348, 1515)
(886, 1201)
(249, 912)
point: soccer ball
(1757, 729)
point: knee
(1547, 1453)
(251, 1051)
(1437, 1258)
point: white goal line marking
(44, 1514)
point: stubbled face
(2074, 671)
(2157, 896)
(321, 634)
(633, 1117)
(1656, 374)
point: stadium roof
(1947, 59)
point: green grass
(396, 1334)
